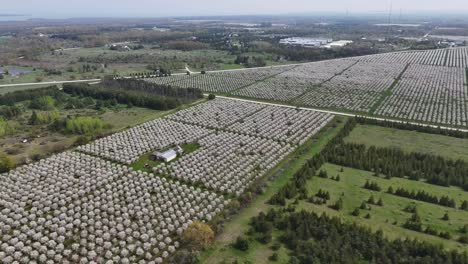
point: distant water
(14, 18)
(14, 71)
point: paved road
(345, 114)
(45, 83)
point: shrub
(43, 103)
(241, 244)
(273, 257)
(6, 164)
(84, 125)
(198, 235)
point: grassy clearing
(410, 141)
(221, 251)
(391, 216)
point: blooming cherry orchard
(430, 93)
(218, 113)
(74, 208)
(227, 162)
(87, 206)
(126, 147)
(358, 88)
(282, 124)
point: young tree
(380, 202)
(34, 120)
(464, 205)
(446, 217)
(356, 212)
(198, 235)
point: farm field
(90, 63)
(410, 141)
(422, 86)
(387, 218)
(391, 216)
(163, 204)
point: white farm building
(167, 155)
(305, 42)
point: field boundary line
(388, 92)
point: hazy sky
(66, 8)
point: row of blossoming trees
(89, 206)
(428, 86)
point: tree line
(411, 127)
(152, 88)
(424, 196)
(129, 97)
(395, 162)
(25, 95)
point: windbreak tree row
(136, 98)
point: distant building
(305, 42)
(338, 44)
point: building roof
(167, 155)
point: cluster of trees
(84, 125)
(314, 238)
(325, 195)
(308, 54)
(373, 186)
(153, 88)
(414, 223)
(10, 111)
(250, 61)
(25, 95)
(43, 118)
(134, 98)
(186, 45)
(411, 127)
(45, 103)
(424, 196)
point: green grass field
(221, 251)
(410, 141)
(350, 189)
